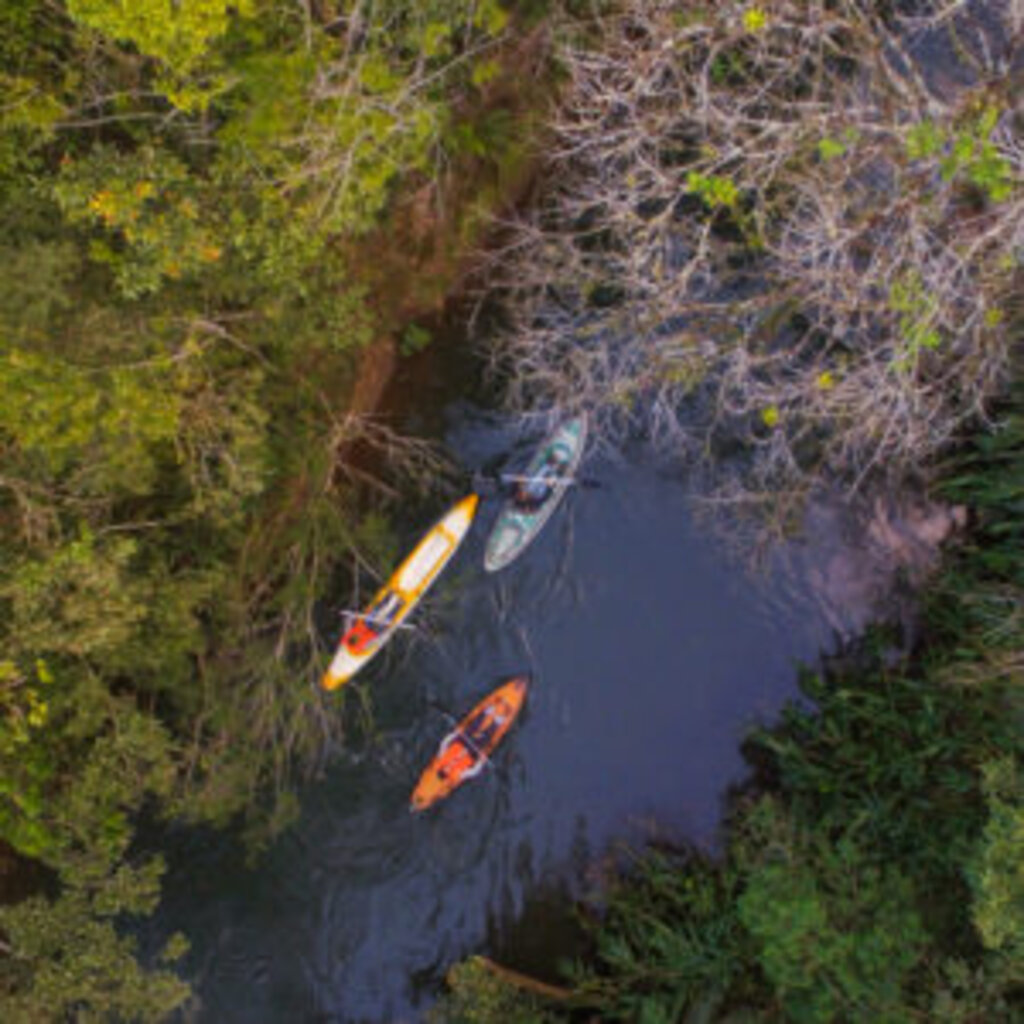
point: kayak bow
(369, 632)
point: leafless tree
(773, 227)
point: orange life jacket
(457, 760)
(359, 637)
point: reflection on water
(650, 656)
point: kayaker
(462, 760)
(532, 493)
(480, 731)
(381, 615)
(373, 623)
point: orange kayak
(464, 751)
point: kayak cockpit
(373, 623)
(533, 492)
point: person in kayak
(480, 731)
(531, 494)
(376, 621)
(463, 761)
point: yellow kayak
(397, 598)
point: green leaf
(829, 149)
(924, 140)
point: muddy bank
(866, 560)
(417, 265)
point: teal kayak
(538, 490)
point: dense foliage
(196, 198)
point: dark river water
(650, 653)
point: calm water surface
(651, 655)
